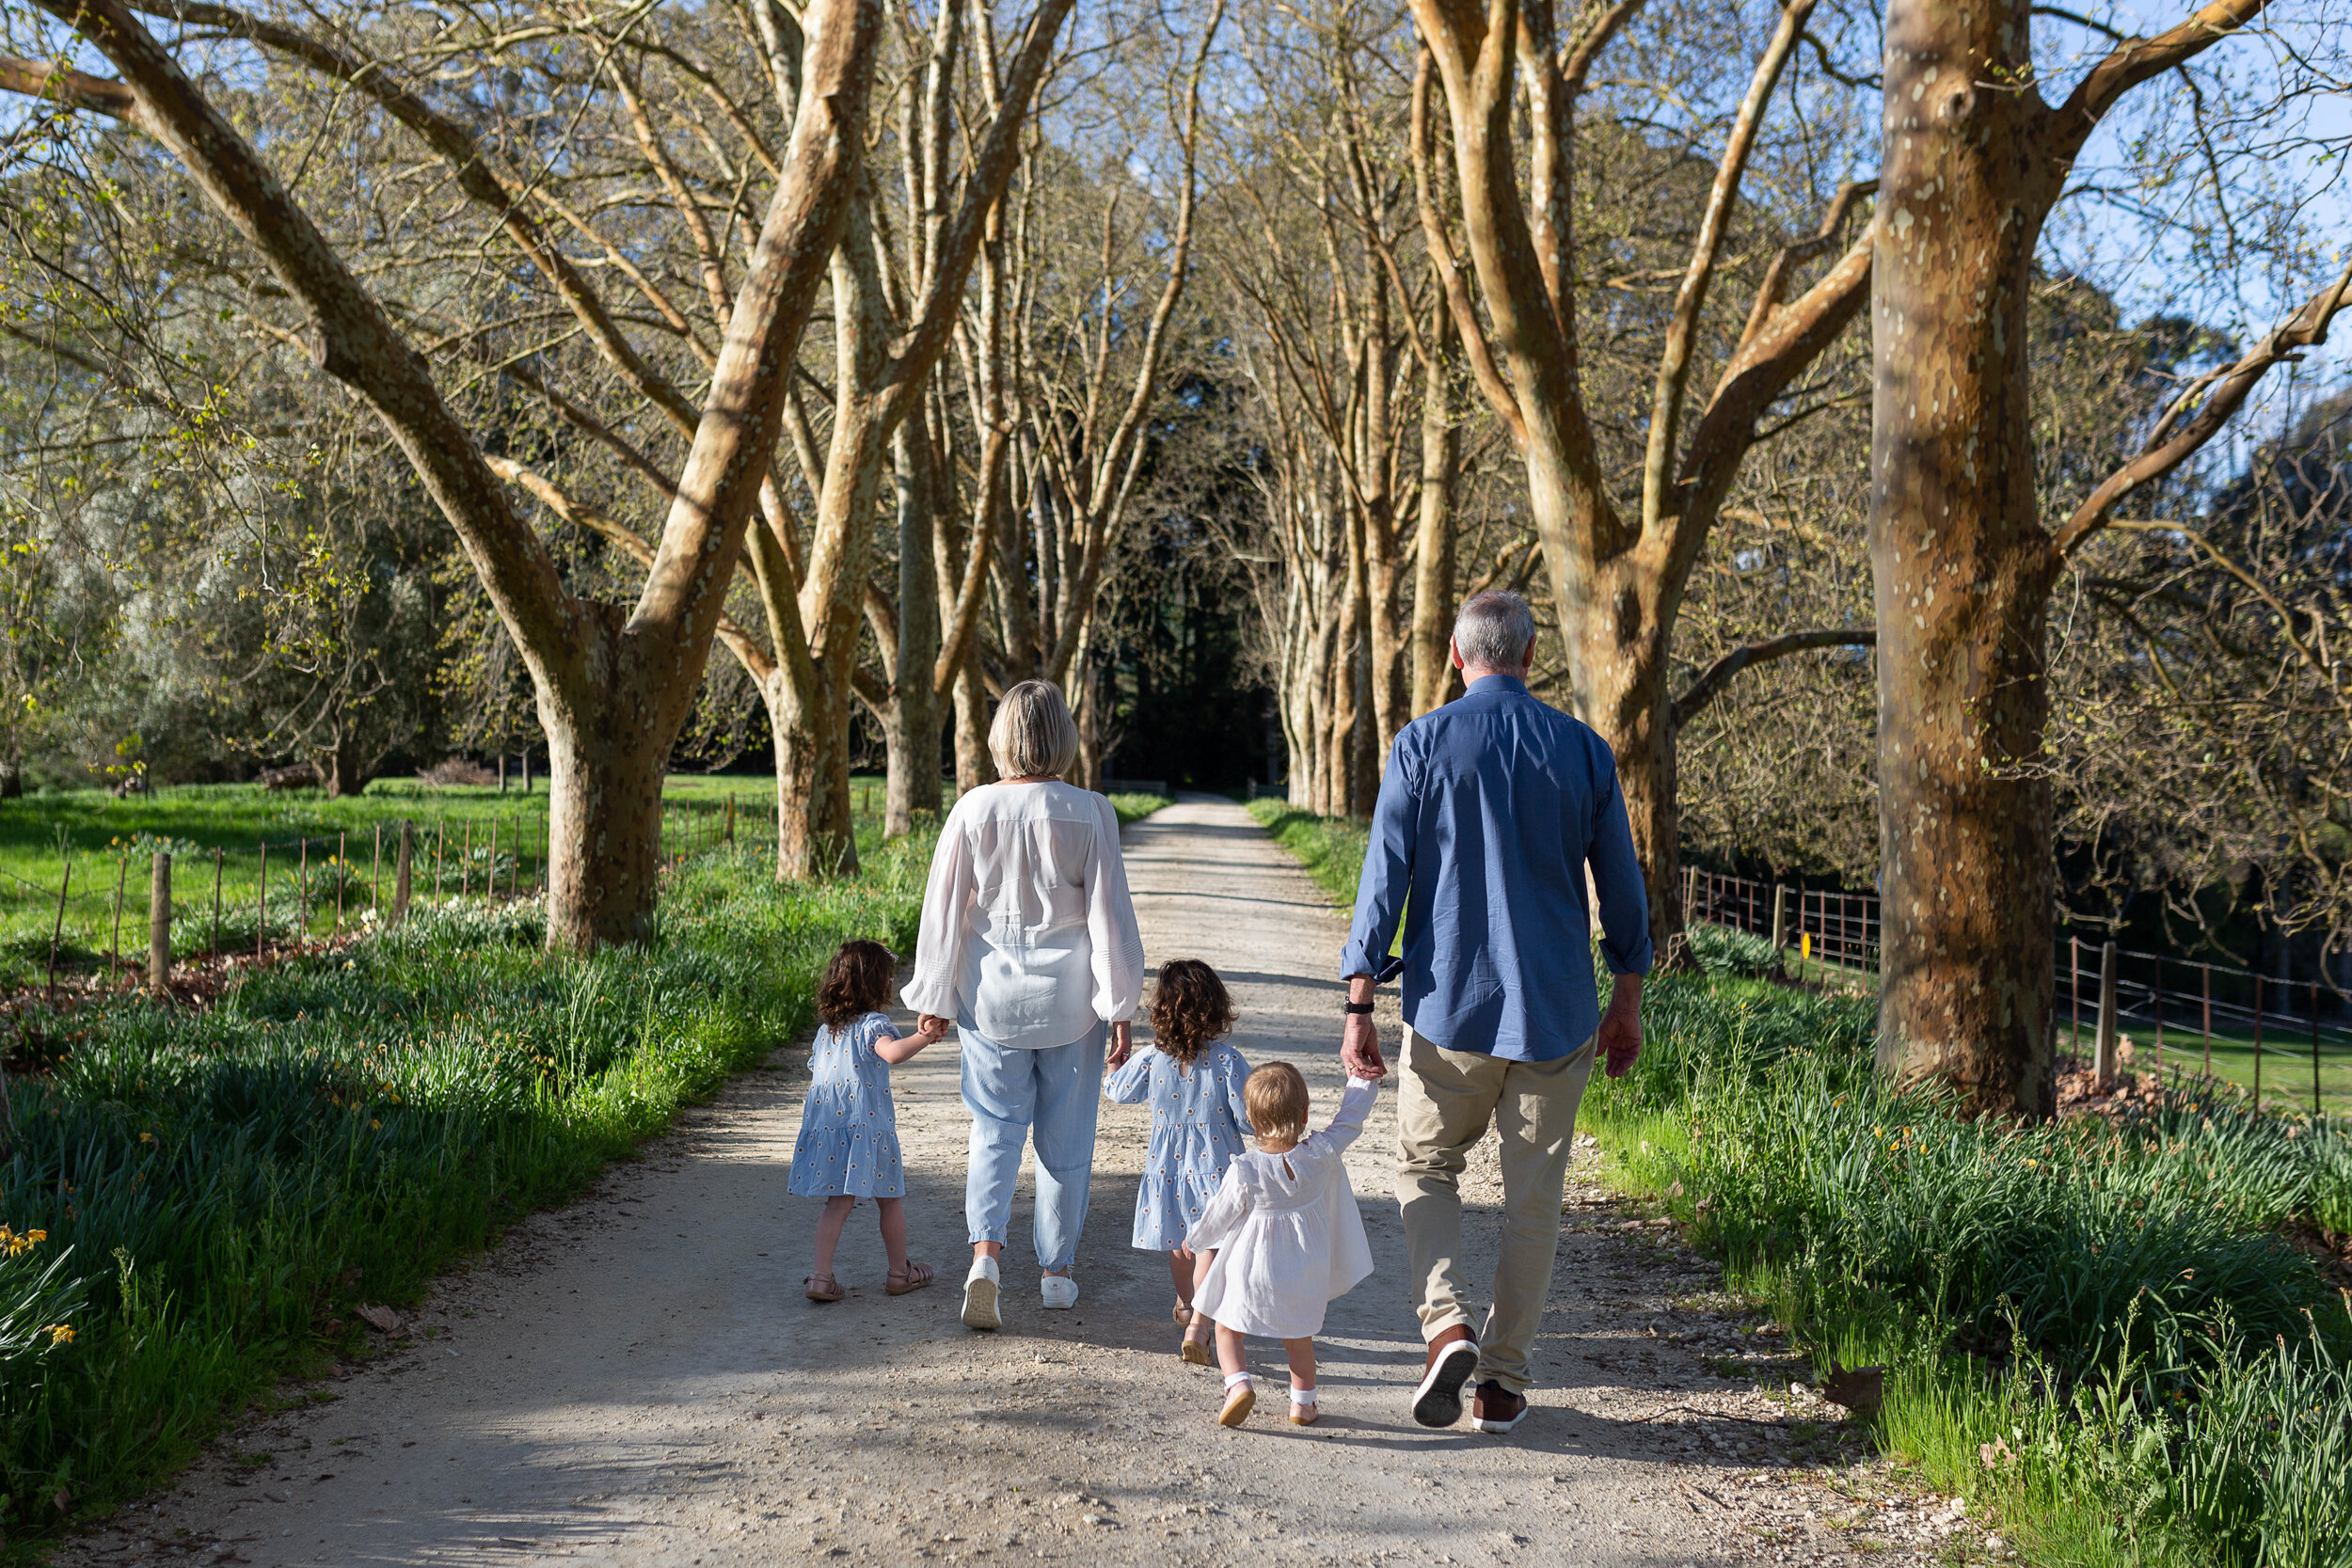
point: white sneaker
(980, 1295)
(1058, 1289)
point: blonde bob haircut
(1033, 735)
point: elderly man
(1490, 811)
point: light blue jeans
(1010, 1092)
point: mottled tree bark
(1961, 564)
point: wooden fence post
(343, 865)
(730, 820)
(1780, 918)
(2103, 1047)
(2314, 1050)
(260, 904)
(399, 875)
(2257, 1039)
(490, 883)
(218, 856)
(2206, 970)
(56, 932)
(159, 926)
(114, 951)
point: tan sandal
(1241, 1397)
(822, 1287)
(913, 1278)
(1195, 1351)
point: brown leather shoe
(1452, 1357)
(1494, 1408)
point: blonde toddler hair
(1276, 1097)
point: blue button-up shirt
(1489, 812)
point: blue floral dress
(849, 1140)
(1198, 1123)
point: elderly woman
(1029, 946)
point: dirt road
(637, 1380)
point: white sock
(1234, 1379)
(1302, 1396)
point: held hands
(931, 1029)
(1359, 1048)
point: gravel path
(636, 1379)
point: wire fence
(131, 912)
(2181, 1010)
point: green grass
(1135, 808)
(318, 848)
(214, 1191)
(2098, 1330)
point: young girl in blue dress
(848, 1143)
(1193, 1080)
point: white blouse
(1028, 935)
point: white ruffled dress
(1287, 1233)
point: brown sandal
(915, 1276)
(1195, 1352)
(1183, 1315)
(822, 1287)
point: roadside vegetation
(196, 1202)
(2117, 1336)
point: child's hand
(930, 1029)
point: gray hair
(1493, 629)
(1033, 735)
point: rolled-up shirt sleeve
(1387, 874)
(938, 944)
(1624, 912)
(1111, 926)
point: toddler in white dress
(1283, 1236)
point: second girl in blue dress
(1193, 1082)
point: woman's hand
(1122, 1042)
(934, 1026)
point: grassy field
(2101, 1331)
(194, 1201)
(327, 864)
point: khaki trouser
(1444, 1103)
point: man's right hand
(1359, 1048)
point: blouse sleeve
(1131, 1084)
(1110, 925)
(939, 945)
(1355, 1104)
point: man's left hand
(1620, 1037)
(1123, 1041)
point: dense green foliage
(215, 1189)
(2096, 1325)
(2098, 1328)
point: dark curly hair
(1189, 1009)
(857, 982)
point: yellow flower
(59, 1334)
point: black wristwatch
(1354, 1007)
